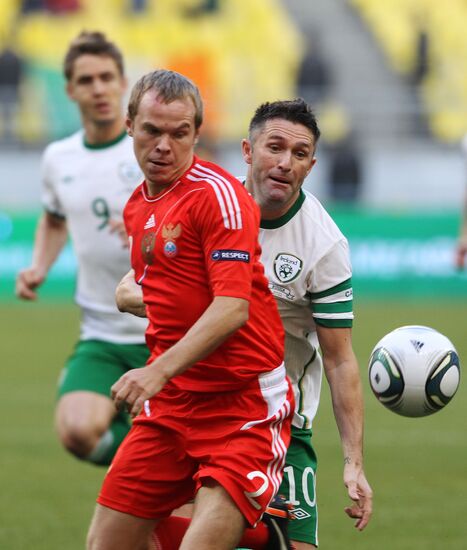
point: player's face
(164, 136)
(97, 87)
(280, 157)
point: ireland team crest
(287, 267)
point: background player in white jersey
(306, 259)
(86, 181)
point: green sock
(108, 444)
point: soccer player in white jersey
(306, 259)
(86, 181)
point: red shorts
(237, 438)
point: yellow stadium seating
(395, 24)
(246, 53)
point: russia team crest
(170, 234)
(147, 247)
(287, 267)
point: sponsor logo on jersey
(129, 172)
(281, 291)
(151, 222)
(230, 256)
(147, 247)
(287, 267)
(170, 233)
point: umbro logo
(151, 222)
(299, 513)
(417, 345)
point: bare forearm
(342, 373)
(223, 317)
(347, 401)
(129, 296)
(51, 236)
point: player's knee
(79, 439)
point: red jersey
(195, 240)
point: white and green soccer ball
(414, 371)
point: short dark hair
(169, 86)
(93, 43)
(295, 110)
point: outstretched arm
(342, 373)
(129, 296)
(222, 318)
(51, 237)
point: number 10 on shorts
(308, 485)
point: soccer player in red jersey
(212, 409)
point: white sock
(101, 448)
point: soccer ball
(414, 371)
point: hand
(360, 492)
(118, 227)
(27, 281)
(136, 386)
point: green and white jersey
(89, 185)
(307, 261)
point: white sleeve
(332, 295)
(332, 269)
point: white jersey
(306, 259)
(88, 185)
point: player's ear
(246, 150)
(129, 126)
(313, 162)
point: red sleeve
(227, 221)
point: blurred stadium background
(388, 81)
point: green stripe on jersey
(279, 222)
(334, 307)
(106, 143)
(345, 285)
(333, 323)
(331, 308)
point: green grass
(417, 467)
(47, 497)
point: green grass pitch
(417, 467)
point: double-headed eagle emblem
(170, 234)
